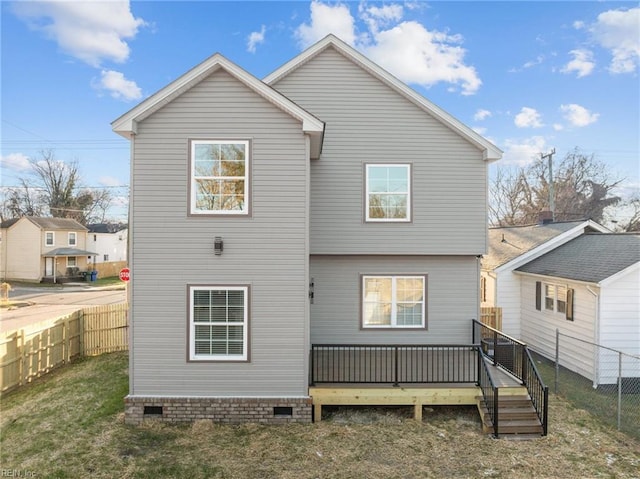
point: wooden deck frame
(414, 395)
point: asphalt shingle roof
(509, 242)
(48, 223)
(592, 257)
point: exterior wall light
(218, 245)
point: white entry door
(48, 266)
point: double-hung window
(49, 238)
(394, 301)
(218, 323)
(219, 177)
(72, 238)
(555, 298)
(388, 192)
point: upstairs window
(49, 238)
(393, 301)
(388, 193)
(219, 323)
(219, 177)
(72, 239)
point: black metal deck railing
(393, 364)
(489, 392)
(514, 356)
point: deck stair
(516, 417)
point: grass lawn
(70, 425)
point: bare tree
(53, 188)
(583, 188)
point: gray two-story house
(328, 204)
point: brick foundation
(228, 410)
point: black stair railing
(514, 356)
(489, 393)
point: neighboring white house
(513, 246)
(587, 288)
(109, 241)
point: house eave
(490, 152)
(548, 245)
(126, 125)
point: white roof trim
(125, 125)
(491, 152)
(623, 272)
(550, 245)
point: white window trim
(75, 260)
(394, 302)
(554, 287)
(192, 201)
(75, 237)
(408, 193)
(245, 330)
(53, 238)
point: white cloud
(326, 19)
(407, 49)
(578, 25)
(480, 130)
(16, 162)
(91, 30)
(376, 17)
(582, 63)
(523, 152)
(118, 86)
(528, 118)
(578, 115)
(530, 64)
(417, 55)
(481, 115)
(558, 127)
(617, 31)
(255, 38)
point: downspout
(495, 287)
(596, 339)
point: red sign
(124, 274)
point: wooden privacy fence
(491, 317)
(26, 355)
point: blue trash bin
(94, 275)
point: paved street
(50, 303)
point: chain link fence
(601, 380)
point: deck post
(317, 412)
(418, 412)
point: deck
(418, 395)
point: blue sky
(529, 76)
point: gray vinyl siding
(452, 298)
(267, 251)
(368, 122)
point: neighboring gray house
(328, 203)
(587, 288)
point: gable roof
(490, 151)
(48, 223)
(126, 125)
(510, 242)
(592, 257)
(106, 227)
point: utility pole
(552, 202)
